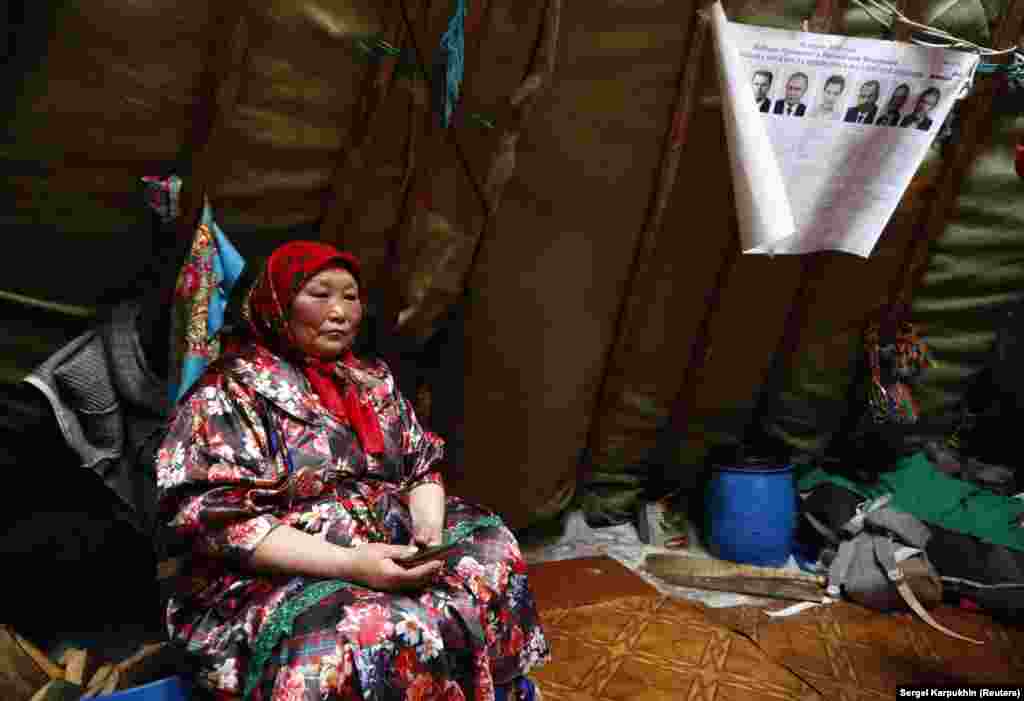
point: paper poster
(825, 132)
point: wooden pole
(220, 85)
(975, 124)
(344, 188)
(418, 170)
(645, 251)
(826, 18)
(793, 590)
(522, 102)
(914, 9)
(932, 222)
(38, 656)
(812, 266)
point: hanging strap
(839, 570)
(885, 555)
(840, 567)
(856, 524)
(825, 532)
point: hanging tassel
(890, 398)
(449, 64)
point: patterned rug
(851, 653)
(566, 584)
(653, 648)
(616, 638)
(576, 540)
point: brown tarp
(517, 245)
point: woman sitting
(301, 475)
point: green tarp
(920, 489)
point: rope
(449, 65)
(375, 48)
(940, 38)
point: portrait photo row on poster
(825, 132)
(845, 97)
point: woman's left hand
(426, 506)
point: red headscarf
(269, 307)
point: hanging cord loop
(888, 15)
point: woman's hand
(426, 507)
(289, 550)
(373, 565)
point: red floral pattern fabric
(269, 307)
(221, 484)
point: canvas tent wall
(574, 319)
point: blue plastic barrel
(169, 689)
(751, 513)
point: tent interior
(555, 277)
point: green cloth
(282, 621)
(281, 624)
(921, 490)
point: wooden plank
(771, 588)
(39, 657)
(112, 683)
(45, 690)
(666, 565)
(143, 653)
(98, 681)
(74, 670)
(23, 668)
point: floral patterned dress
(251, 448)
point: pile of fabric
(969, 512)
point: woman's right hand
(289, 550)
(373, 565)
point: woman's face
(325, 314)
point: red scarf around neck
(269, 306)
